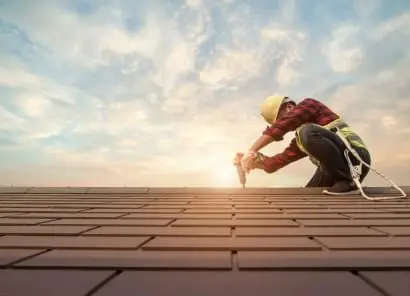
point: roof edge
(182, 190)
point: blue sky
(164, 93)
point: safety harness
(350, 139)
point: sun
(225, 175)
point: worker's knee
(308, 132)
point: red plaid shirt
(307, 111)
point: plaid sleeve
(290, 154)
(302, 113)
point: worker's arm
(303, 112)
(261, 142)
(271, 164)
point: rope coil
(356, 171)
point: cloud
(343, 51)
(377, 107)
(40, 106)
(366, 8)
(254, 50)
(193, 3)
(19, 75)
(292, 52)
(75, 37)
(231, 66)
(399, 24)
(185, 97)
(33, 104)
(153, 94)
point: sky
(163, 93)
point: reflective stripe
(344, 129)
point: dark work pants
(328, 149)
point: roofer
(318, 132)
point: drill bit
(241, 174)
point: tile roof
(201, 241)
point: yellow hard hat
(270, 107)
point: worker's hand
(247, 161)
(238, 158)
(252, 160)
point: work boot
(342, 187)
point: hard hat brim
(271, 106)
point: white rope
(356, 171)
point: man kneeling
(315, 127)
